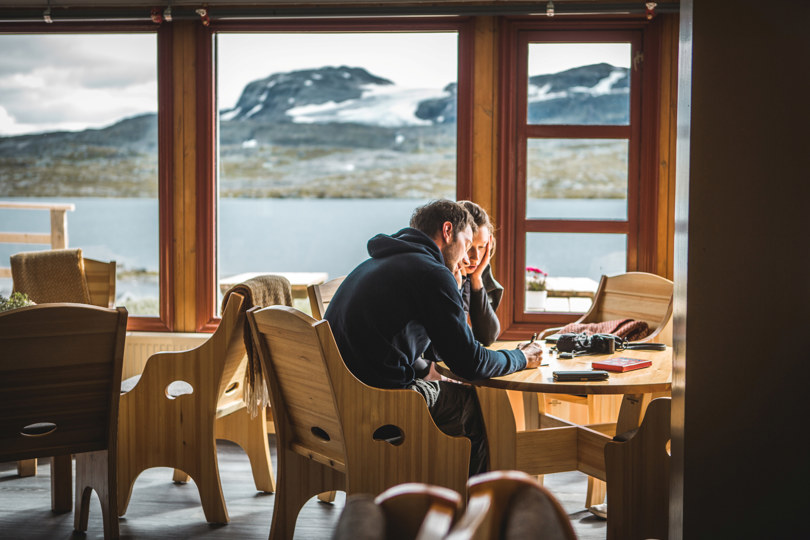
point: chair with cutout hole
(60, 373)
(511, 505)
(319, 297)
(637, 468)
(640, 296)
(61, 275)
(410, 511)
(181, 404)
(335, 433)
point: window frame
(207, 187)
(164, 321)
(641, 133)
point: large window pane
(326, 141)
(579, 83)
(574, 264)
(576, 179)
(78, 125)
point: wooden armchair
(637, 467)
(61, 275)
(161, 427)
(60, 374)
(334, 432)
(410, 511)
(321, 295)
(319, 298)
(100, 278)
(64, 275)
(511, 505)
(635, 295)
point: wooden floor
(160, 509)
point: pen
(534, 337)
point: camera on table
(584, 343)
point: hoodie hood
(407, 240)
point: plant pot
(536, 300)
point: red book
(621, 364)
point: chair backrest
(377, 437)
(511, 505)
(63, 275)
(291, 344)
(418, 511)
(226, 351)
(321, 295)
(60, 377)
(635, 295)
(100, 278)
(409, 511)
(637, 469)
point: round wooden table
(545, 444)
(656, 378)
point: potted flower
(536, 289)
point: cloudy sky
(72, 82)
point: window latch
(638, 59)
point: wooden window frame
(515, 131)
(163, 322)
(207, 211)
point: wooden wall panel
(184, 178)
(668, 86)
(485, 146)
(738, 458)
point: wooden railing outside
(58, 238)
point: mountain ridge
(327, 132)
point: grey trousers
(454, 408)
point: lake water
(326, 235)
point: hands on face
(476, 279)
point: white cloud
(72, 82)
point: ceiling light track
(55, 15)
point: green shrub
(16, 300)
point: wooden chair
(161, 427)
(321, 295)
(334, 432)
(64, 275)
(100, 278)
(91, 282)
(634, 295)
(511, 505)
(637, 467)
(60, 373)
(411, 511)
(319, 298)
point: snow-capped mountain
(291, 105)
(332, 94)
(594, 94)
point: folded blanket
(55, 275)
(261, 291)
(630, 329)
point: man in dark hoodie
(391, 307)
